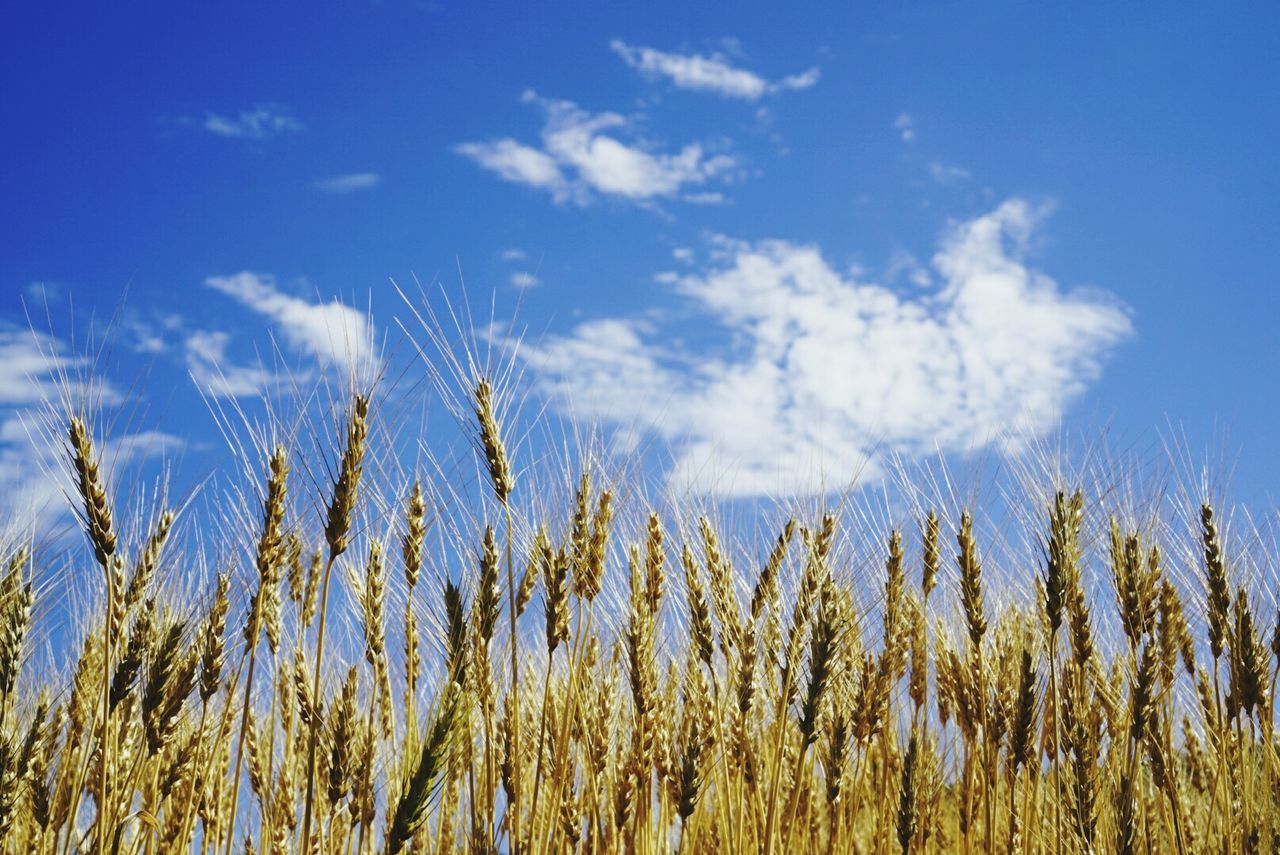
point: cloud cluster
(334, 335)
(712, 74)
(582, 156)
(824, 373)
(261, 123)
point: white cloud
(906, 127)
(514, 255)
(37, 380)
(145, 340)
(524, 279)
(31, 494)
(217, 375)
(581, 156)
(944, 173)
(30, 364)
(796, 82)
(43, 293)
(825, 372)
(261, 123)
(150, 333)
(904, 264)
(336, 336)
(519, 164)
(349, 183)
(710, 198)
(34, 484)
(708, 73)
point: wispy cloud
(712, 73)
(149, 331)
(945, 173)
(30, 367)
(34, 484)
(334, 335)
(826, 371)
(903, 264)
(217, 375)
(709, 198)
(43, 293)
(906, 127)
(38, 378)
(514, 254)
(263, 122)
(349, 183)
(581, 157)
(524, 279)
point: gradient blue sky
(766, 239)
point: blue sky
(777, 245)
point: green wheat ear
(411, 810)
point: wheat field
(605, 674)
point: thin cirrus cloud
(827, 373)
(263, 122)
(334, 335)
(581, 157)
(713, 74)
(350, 183)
